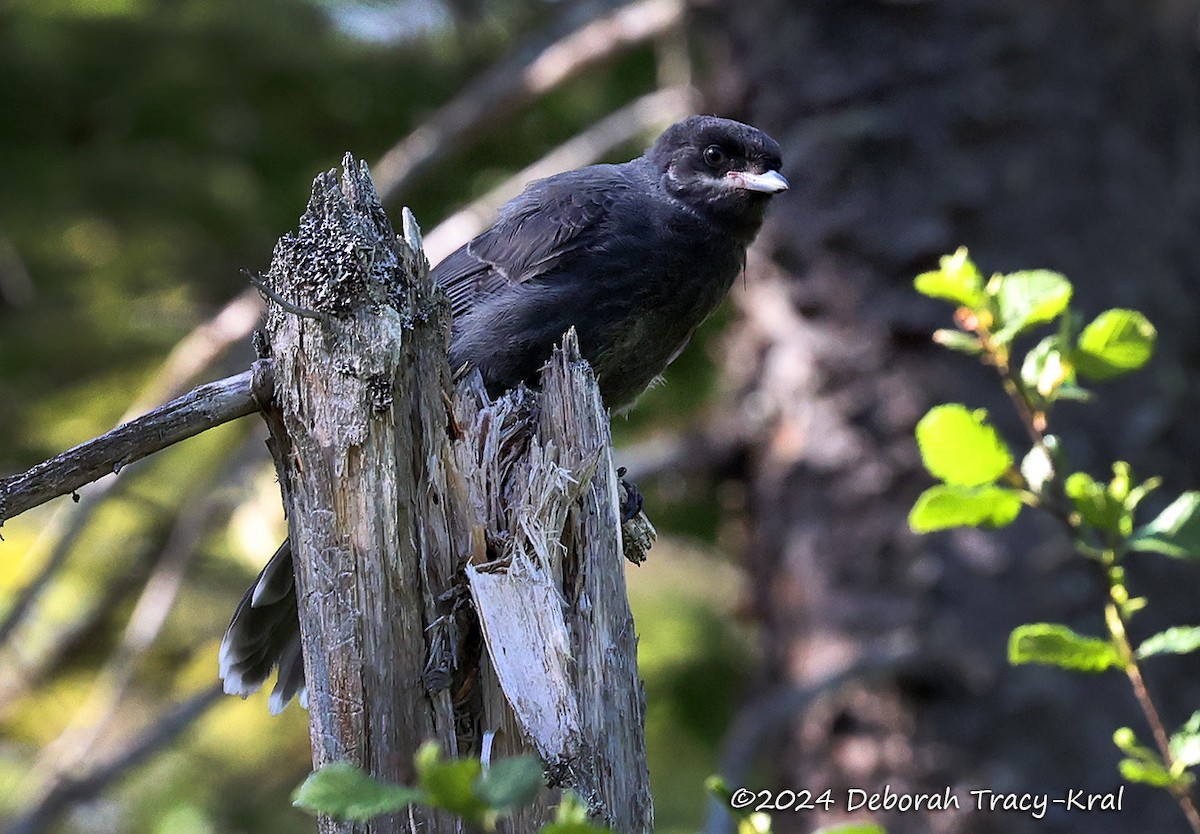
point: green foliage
(1175, 532)
(1177, 640)
(342, 790)
(966, 452)
(1141, 764)
(461, 786)
(959, 448)
(945, 506)
(956, 280)
(1117, 342)
(1185, 743)
(1026, 299)
(1057, 645)
(1109, 508)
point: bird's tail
(265, 633)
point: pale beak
(768, 182)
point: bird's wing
(549, 220)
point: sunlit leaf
(1145, 773)
(961, 447)
(1177, 640)
(1117, 342)
(947, 505)
(1093, 502)
(1185, 743)
(959, 341)
(1176, 530)
(957, 280)
(1029, 298)
(1057, 645)
(344, 791)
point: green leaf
(1117, 342)
(344, 791)
(957, 280)
(1092, 501)
(957, 340)
(944, 506)
(1185, 743)
(852, 828)
(510, 783)
(571, 818)
(1072, 392)
(1176, 531)
(1141, 491)
(450, 784)
(1178, 640)
(960, 447)
(1057, 645)
(1029, 298)
(1146, 773)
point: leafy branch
(981, 485)
(479, 795)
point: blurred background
(152, 152)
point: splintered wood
(415, 508)
(549, 586)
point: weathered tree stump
(403, 495)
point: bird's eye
(714, 156)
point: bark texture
(459, 561)
(359, 432)
(1063, 135)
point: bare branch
(79, 789)
(194, 353)
(71, 750)
(515, 83)
(198, 410)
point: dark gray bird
(634, 256)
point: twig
(1117, 628)
(513, 84)
(294, 309)
(1036, 426)
(73, 791)
(198, 410)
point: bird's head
(720, 167)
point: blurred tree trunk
(1063, 135)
